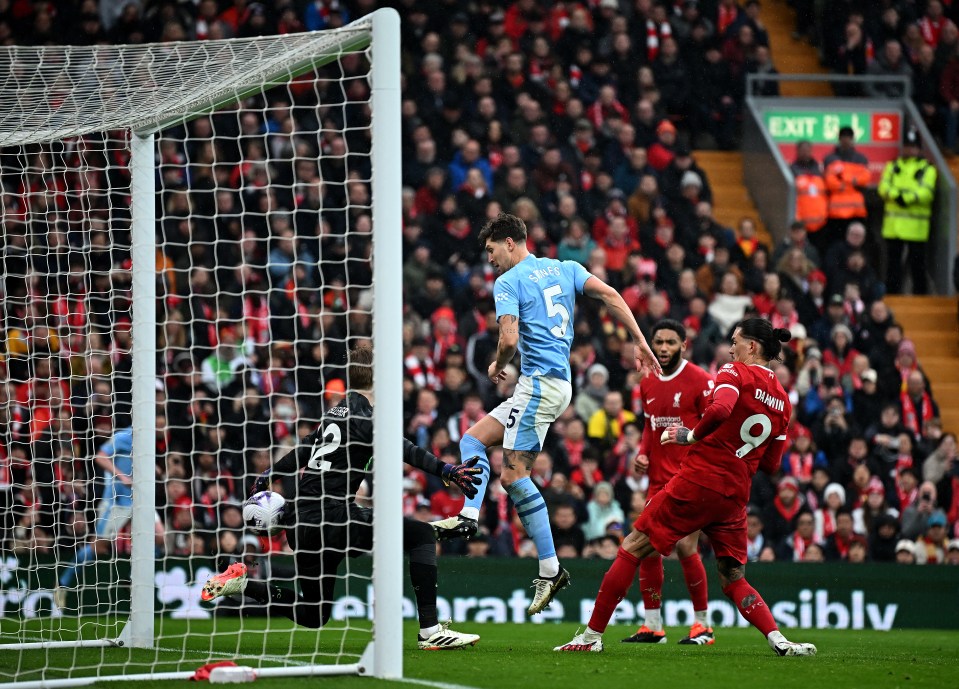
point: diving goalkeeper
(324, 524)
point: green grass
(521, 656)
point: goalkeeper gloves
(262, 482)
(465, 476)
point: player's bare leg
(615, 584)
(487, 432)
(732, 576)
(700, 633)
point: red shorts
(683, 507)
(653, 488)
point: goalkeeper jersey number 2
(334, 458)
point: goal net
(189, 235)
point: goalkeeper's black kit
(324, 524)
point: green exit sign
(790, 126)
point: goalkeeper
(324, 524)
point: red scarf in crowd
(787, 512)
(800, 466)
(914, 419)
(799, 545)
(828, 522)
(842, 546)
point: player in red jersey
(743, 429)
(678, 397)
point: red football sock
(615, 584)
(695, 575)
(651, 581)
(751, 605)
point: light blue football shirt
(542, 293)
(120, 448)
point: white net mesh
(264, 275)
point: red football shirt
(726, 459)
(678, 399)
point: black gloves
(465, 476)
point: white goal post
(51, 94)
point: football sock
(85, 553)
(615, 584)
(532, 512)
(751, 606)
(423, 578)
(420, 543)
(471, 447)
(695, 575)
(702, 617)
(427, 632)
(651, 586)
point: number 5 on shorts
(512, 417)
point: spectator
(866, 402)
(755, 541)
(916, 517)
(889, 62)
(931, 545)
(662, 151)
(837, 545)
(905, 552)
(589, 400)
(793, 548)
(602, 509)
(782, 514)
(797, 238)
(942, 461)
(606, 425)
(917, 404)
(565, 529)
(853, 57)
(952, 552)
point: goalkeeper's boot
(583, 643)
(232, 581)
(546, 589)
(783, 647)
(446, 639)
(645, 635)
(455, 527)
(699, 636)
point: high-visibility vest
(811, 201)
(908, 187)
(842, 179)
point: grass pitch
(517, 656)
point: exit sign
(791, 126)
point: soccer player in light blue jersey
(114, 509)
(535, 298)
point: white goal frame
(381, 31)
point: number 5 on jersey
(554, 309)
(332, 438)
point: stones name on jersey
(541, 273)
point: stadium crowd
(578, 118)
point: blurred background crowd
(583, 119)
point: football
(263, 511)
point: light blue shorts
(526, 416)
